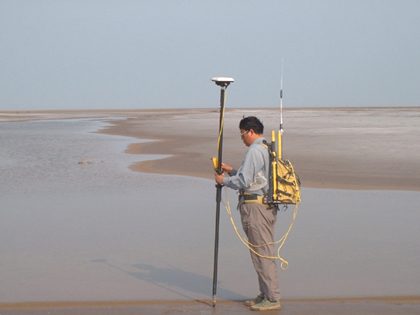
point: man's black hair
(251, 122)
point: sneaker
(257, 300)
(266, 305)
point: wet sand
(345, 148)
(330, 148)
(368, 306)
(351, 148)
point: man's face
(245, 136)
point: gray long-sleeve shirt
(247, 177)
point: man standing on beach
(257, 219)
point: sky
(126, 54)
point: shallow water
(77, 224)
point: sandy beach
(345, 148)
(331, 148)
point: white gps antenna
(222, 81)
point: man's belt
(251, 197)
(246, 197)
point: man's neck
(256, 137)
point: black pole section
(218, 193)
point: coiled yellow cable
(284, 263)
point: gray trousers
(258, 223)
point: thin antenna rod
(281, 97)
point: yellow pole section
(279, 145)
(274, 165)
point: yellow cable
(249, 245)
(221, 125)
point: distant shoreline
(337, 148)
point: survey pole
(223, 83)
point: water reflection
(58, 216)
